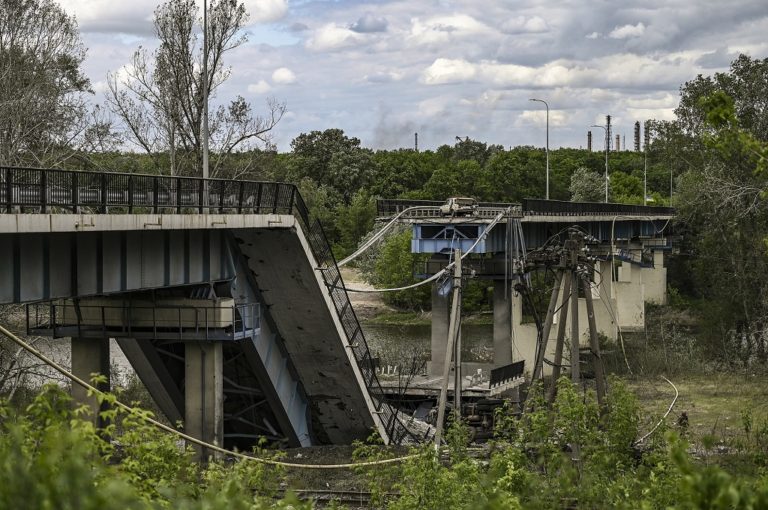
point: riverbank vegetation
(572, 455)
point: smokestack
(416, 142)
(618, 143)
(637, 136)
(647, 135)
(589, 141)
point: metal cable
(21, 343)
(442, 271)
(378, 235)
(677, 393)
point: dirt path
(366, 305)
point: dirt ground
(366, 305)
(715, 404)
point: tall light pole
(204, 127)
(606, 158)
(547, 149)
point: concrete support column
(502, 333)
(90, 356)
(204, 394)
(440, 319)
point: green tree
(587, 186)
(43, 112)
(394, 268)
(746, 83)
(403, 171)
(330, 158)
(355, 220)
(517, 174)
(722, 206)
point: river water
(393, 344)
(476, 340)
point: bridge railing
(127, 319)
(51, 190)
(535, 206)
(321, 249)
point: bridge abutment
(90, 356)
(204, 394)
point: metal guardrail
(61, 318)
(431, 208)
(53, 190)
(535, 206)
(530, 207)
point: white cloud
(444, 70)
(333, 37)
(523, 25)
(264, 11)
(99, 16)
(283, 76)
(442, 29)
(383, 77)
(593, 35)
(627, 31)
(261, 87)
(557, 118)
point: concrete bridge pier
(440, 320)
(502, 322)
(204, 394)
(90, 356)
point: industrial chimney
(637, 136)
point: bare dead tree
(159, 95)
(17, 367)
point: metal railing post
(8, 190)
(200, 192)
(155, 193)
(274, 198)
(240, 193)
(178, 195)
(75, 194)
(43, 190)
(104, 193)
(130, 194)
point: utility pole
(451, 346)
(547, 147)
(205, 101)
(647, 141)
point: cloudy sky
(383, 70)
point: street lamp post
(204, 127)
(606, 159)
(547, 148)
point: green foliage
(587, 186)
(394, 268)
(330, 158)
(355, 221)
